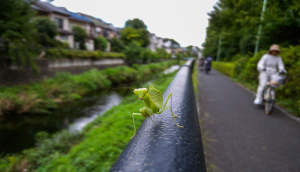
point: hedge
(80, 54)
(246, 72)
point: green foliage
(80, 54)
(225, 68)
(41, 96)
(100, 43)
(105, 138)
(47, 31)
(237, 24)
(246, 72)
(133, 52)
(80, 35)
(136, 24)
(162, 53)
(135, 30)
(46, 145)
(130, 34)
(117, 45)
(16, 31)
(97, 147)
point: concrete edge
(276, 106)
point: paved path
(240, 137)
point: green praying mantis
(153, 101)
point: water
(17, 132)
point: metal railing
(161, 145)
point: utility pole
(260, 27)
(219, 48)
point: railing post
(161, 145)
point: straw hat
(274, 47)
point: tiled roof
(79, 17)
(47, 7)
(96, 21)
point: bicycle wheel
(269, 100)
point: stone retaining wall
(48, 68)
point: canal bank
(103, 141)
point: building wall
(48, 68)
(89, 43)
(63, 37)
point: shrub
(224, 67)
(100, 43)
(79, 54)
(41, 96)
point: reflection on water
(17, 132)
(172, 69)
(110, 101)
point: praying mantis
(153, 101)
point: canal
(17, 132)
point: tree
(100, 43)
(237, 22)
(130, 34)
(47, 30)
(135, 30)
(17, 31)
(117, 45)
(136, 24)
(133, 52)
(80, 35)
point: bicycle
(269, 92)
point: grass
(95, 149)
(226, 68)
(40, 97)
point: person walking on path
(267, 66)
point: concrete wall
(48, 68)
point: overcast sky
(182, 20)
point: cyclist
(267, 66)
(208, 62)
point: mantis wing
(156, 96)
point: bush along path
(244, 70)
(96, 148)
(40, 97)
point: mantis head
(140, 92)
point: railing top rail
(161, 145)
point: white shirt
(270, 63)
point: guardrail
(161, 145)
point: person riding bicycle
(267, 66)
(208, 62)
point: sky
(182, 20)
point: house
(100, 27)
(153, 42)
(168, 46)
(160, 42)
(87, 24)
(60, 17)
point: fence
(161, 145)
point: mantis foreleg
(171, 109)
(134, 122)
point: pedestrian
(201, 63)
(208, 62)
(267, 67)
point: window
(59, 23)
(63, 37)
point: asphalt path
(238, 136)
